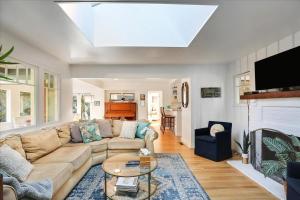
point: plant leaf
(283, 157)
(295, 141)
(7, 53)
(0, 48)
(275, 145)
(270, 167)
(286, 144)
(239, 144)
(8, 63)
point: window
(242, 85)
(50, 98)
(17, 96)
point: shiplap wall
(280, 114)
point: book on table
(127, 184)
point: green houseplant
(3, 60)
(245, 147)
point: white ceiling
(236, 28)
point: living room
(166, 98)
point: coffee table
(115, 166)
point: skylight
(138, 24)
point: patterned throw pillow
(141, 129)
(216, 128)
(90, 132)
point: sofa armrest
(293, 169)
(9, 193)
(149, 139)
(201, 131)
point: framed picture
(128, 96)
(142, 97)
(115, 96)
(96, 103)
(74, 104)
(211, 92)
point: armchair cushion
(206, 138)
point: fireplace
(271, 150)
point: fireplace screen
(271, 150)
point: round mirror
(185, 94)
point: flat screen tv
(278, 71)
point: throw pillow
(216, 128)
(64, 134)
(14, 164)
(117, 127)
(14, 141)
(40, 143)
(75, 133)
(105, 128)
(141, 129)
(90, 132)
(128, 129)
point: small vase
(245, 158)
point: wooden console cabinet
(120, 110)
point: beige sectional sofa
(65, 163)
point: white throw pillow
(128, 129)
(13, 163)
(216, 128)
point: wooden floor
(219, 179)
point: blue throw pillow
(139, 131)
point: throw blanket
(41, 190)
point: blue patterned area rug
(175, 182)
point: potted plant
(5, 62)
(284, 153)
(245, 147)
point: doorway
(155, 101)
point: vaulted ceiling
(237, 27)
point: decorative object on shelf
(96, 103)
(3, 61)
(245, 147)
(211, 92)
(185, 94)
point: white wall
(138, 87)
(201, 110)
(45, 62)
(280, 114)
(82, 87)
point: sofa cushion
(75, 132)
(59, 173)
(64, 134)
(105, 128)
(117, 127)
(206, 138)
(125, 143)
(128, 129)
(96, 146)
(14, 141)
(40, 143)
(13, 163)
(77, 156)
(90, 132)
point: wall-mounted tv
(278, 71)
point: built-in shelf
(272, 95)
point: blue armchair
(293, 180)
(215, 148)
